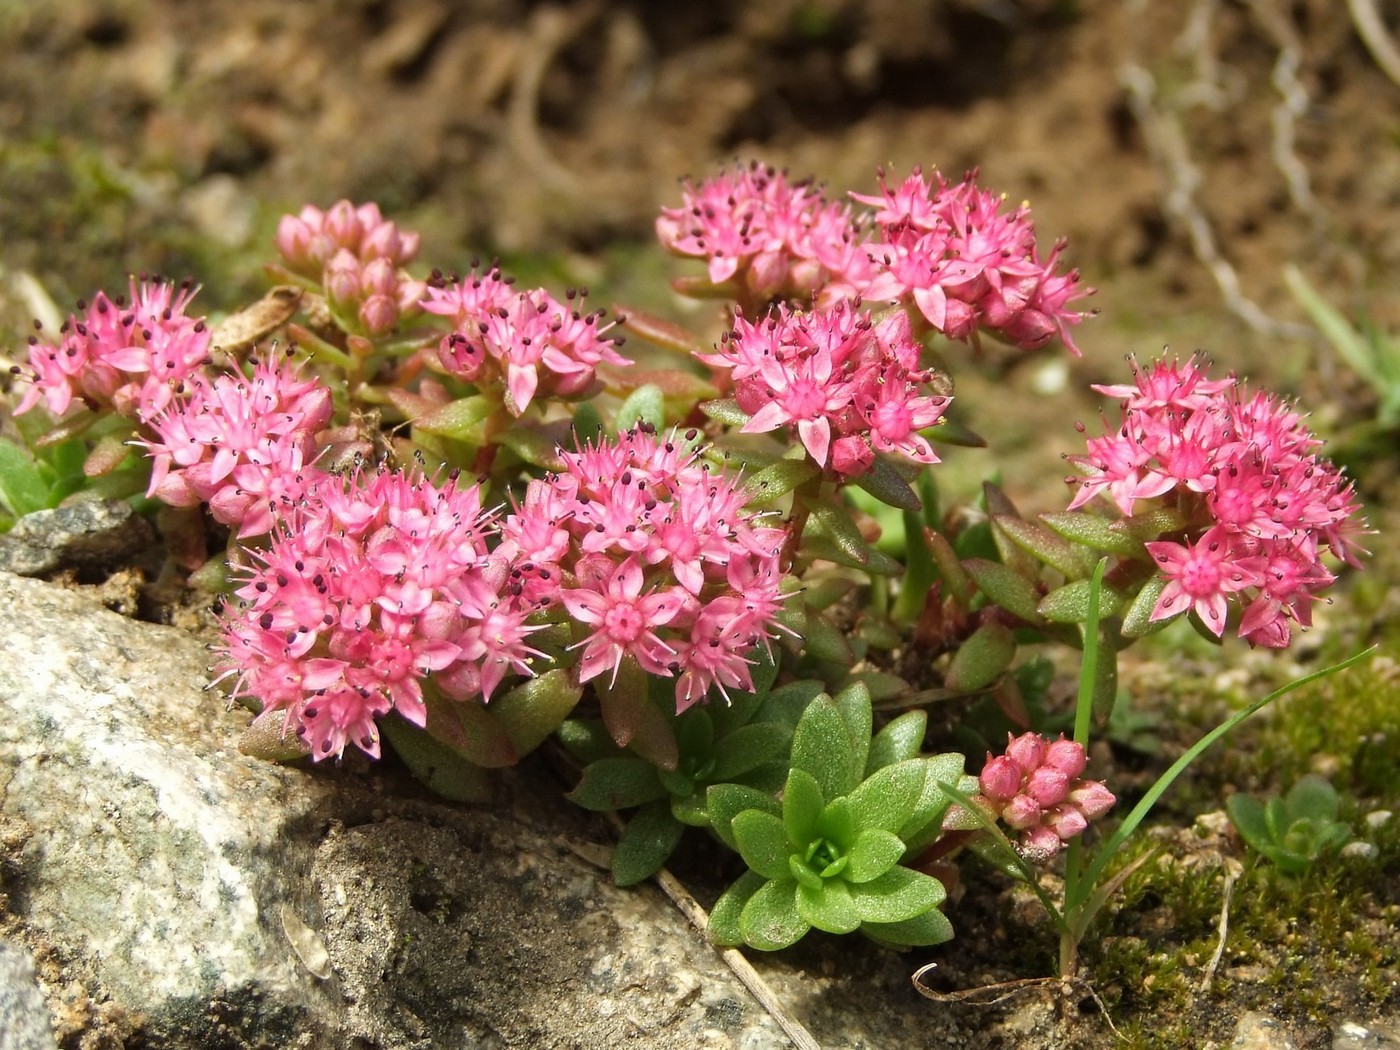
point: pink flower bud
(767, 272)
(1093, 798)
(379, 314)
(1048, 786)
(342, 278)
(1066, 756)
(378, 277)
(382, 242)
(342, 225)
(851, 456)
(294, 240)
(1026, 750)
(1039, 845)
(1066, 821)
(1000, 779)
(1022, 812)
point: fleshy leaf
(748, 747)
(724, 802)
(834, 524)
(691, 810)
(646, 404)
(266, 737)
(982, 658)
(536, 444)
(461, 419)
(438, 767)
(822, 745)
(1008, 588)
(802, 806)
(726, 411)
(875, 852)
(587, 739)
(1101, 534)
(828, 907)
(22, 487)
(1137, 621)
(763, 843)
(887, 485)
(899, 740)
(853, 701)
(468, 728)
(897, 895)
(1070, 603)
(1045, 546)
(724, 916)
(770, 921)
(617, 783)
(932, 927)
(887, 799)
(536, 708)
(658, 331)
(777, 479)
(646, 842)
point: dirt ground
(1188, 150)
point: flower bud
(1066, 821)
(379, 314)
(342, 278)
(1048, 786)
(1066, 756)
(1000, 779)
(1026, 750)
(851, 456)
(1039, 845)
(1093, 798)
(293, 240)
(378, 277)
(342, 225)
(1022, 812)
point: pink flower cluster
(848, 386)
(964, 264)
(1260, 505)
(772, 238)
(130, 358)
(947, 253)
(244, 445)
(372, 585)
(358, 256)
(1036, 789)
(653, 553)
(528, 343)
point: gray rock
(1374, 1035)
(1259, 1031)
(82, 534)
(24, 1016)
(225, 902)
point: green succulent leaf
(617, 783)
(924, 825)
(646, 843)
(587, 739)
(932, 927)
(724, 802)
(724, 926)
(587, 423)
(1070, 603)
(888, 486)
(1137, 621)
(1006, 587)
(886, 800)
(691, 810)
(726, 411)
(828, 521)
(748, 747)
(828, 906)
(460, 419)
(646, 404)
(22, 486)
(1045, 546)
(898, 741)
(837, 823)
(777, 479)
(533, 710)
(982, 658)
(1101, 534)
(438, 767)
(763, 843)
(787, 703)
(897, 895)
(823, 746)
(770, 920)
(802, 806)
(874, 852)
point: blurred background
(1190, 150)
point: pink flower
(624, 619)
(1201, 575)
(373, 589)
(126, 358)
(772, 239)
(836, 378)
(950, 253)
(525, 342)
(309, 240)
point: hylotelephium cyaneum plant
(456, 517)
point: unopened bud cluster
(1037, 789)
